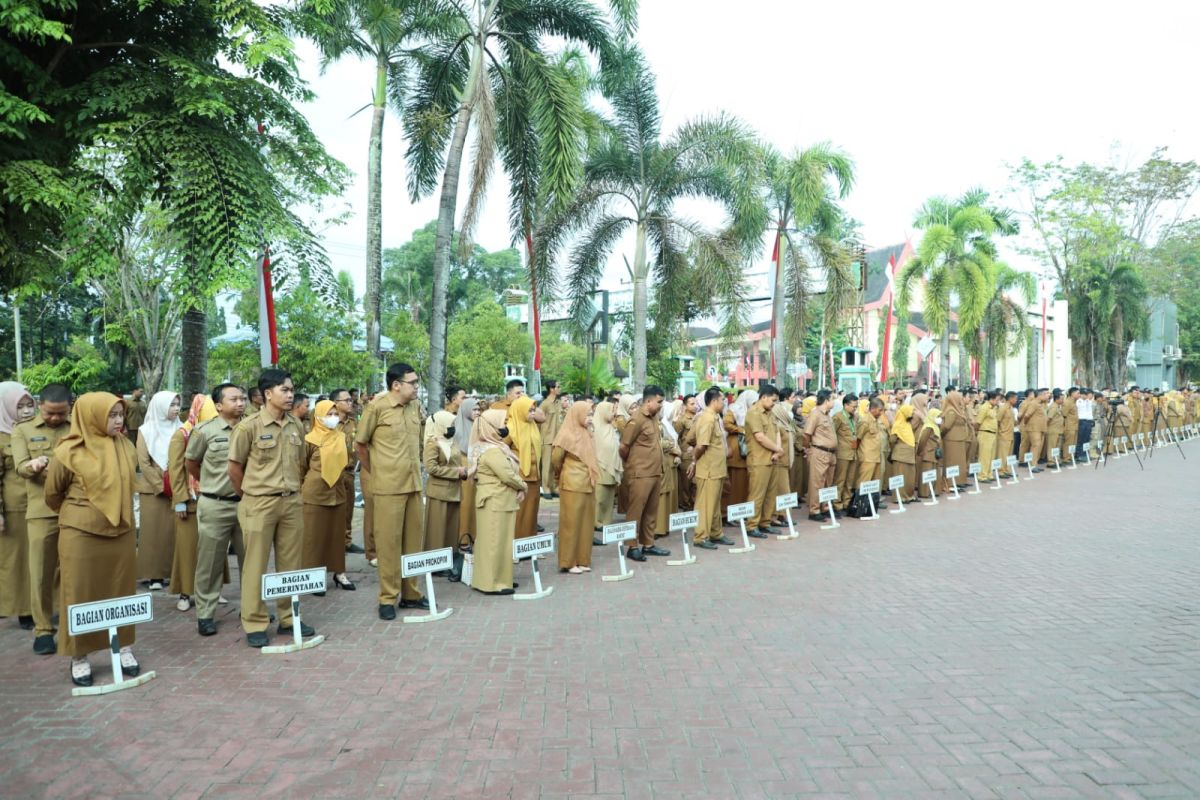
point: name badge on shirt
(37, 439)
(220, 439)
(266, 437)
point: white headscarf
(665, 417)
(742, 405)
(157, 429)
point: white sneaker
(221, 601)
(374, 562)
(156, 586)
(184, 603)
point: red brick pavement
(1040, 641)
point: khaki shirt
(870, 450)
(759, 420)
(181, 491)
(570, 473)
(847, 438)
(135, 413)
(1005, 422)
(14, 487)
(392, 433)
(819, 429)
(444, 482)
(1033, 420)
(987, 419)
(554, 417)
(209, 445)
(497, 481)
(149, 479)
(30, 440)
(271, 452)
(712, 462)
(642, 438)
(1054, 419)
(954, 427)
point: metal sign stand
(952, 474)
(304, 581)
(683, 522)
(828, 495)
(619, 532)
(869, 488)
(1012, 470)
(896, 483)
(740, 513)
(119, 680)
(927, 478)
(785, 503)
(427, 563)
(973, 470)
(1030, 465)
(1055, 453)
(996, 465)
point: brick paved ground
(1039, 641)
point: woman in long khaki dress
(446, 468)
(668, 485)
(90, 485)
(183, 495)
(499, 490)
(156, 528)
(464, 430)
(16, 406)
(929, 441)
(577, 474)
(737, 484)
(902, 445)
(955, 435)
(323, 491)
(527, 442)
(608, 459)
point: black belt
(279, 494)
(233, 498)
(826, 449)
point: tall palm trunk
(944, 373)
(1031, 370)
(375, 208)
(640, 308)
(780, 344)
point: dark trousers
(1085, 436)
(1016, 446)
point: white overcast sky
(928, 98)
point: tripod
(1111, 423)
(1170, 434)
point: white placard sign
(1012, 461)
(531, 546)
(996, 464)
(952, 471)
(104, 614)
(684, 520)
(868, 487)
(741, 511)
(1029, 459)
(429, 561)
(895, 482)
(929, 476)
(828, 494)
(974, 468)
(926, 346)
(285, 584)
(785, 501)
(619, 532)
(1055, 452)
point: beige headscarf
(576, 439)
(608, 441)
(11, 394)
(741, 406)
(902, 427)
(625, 406)
(485, 434)
(919, 403)
(436, 427)
(104, 464)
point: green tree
(83, 369)
(481, 341)
(1174, 272)
(411, 342)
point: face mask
(331, 421)
(450, 432)
(891, 406)
(503, 432)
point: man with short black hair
(641, 450)
(708, 468)
(765, 450)
(845, 426)
(820, 441)
(1071, 424)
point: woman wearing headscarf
(902, 451)
(326, 454)
(738, 481)
(447, 469)
(464, 431)
(183, 494)
(626, 405)
(156, 531)
(929, 451)
(527, 442)
(499, 490)
(577, 473)
(668, 485)
(684, 421)
(90, 484)
(16, 406)
(920, 404)
(608, 459)
(955, 437)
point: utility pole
(17, 330)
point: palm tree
(1110, 314)
(496, 78)
(631, 182)
(1004, 328)
(393, 35)
(953, 259)
(802, 195)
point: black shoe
(725, 540)
(1038, 469)
(516, 585)
(757, 534)
(353, 548)
(26, 622)
(598, 542)
(655, 550)
(705, 545)
(546, 495)
(554, 495)
(502, 592)
(635, 554)
(206, 627)
(818, 517)
(423, 603)
(348, 585)
(131, 672)
(86, 680)
(257, 639)
(541, 529)
(318, 594)
(305, 630)
(387, 612)
(44, 645)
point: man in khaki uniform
(207, 462)
(1006, 422)
(551, 407)
(846, 429)
(870, 447)
(388, 442)
(765, 450)
(135, 412)
(1071, 424)
(684, 426)
(33, 448)
(820, 441)
(641, 450)
(709, 470)
(1055, 424)
(266, 458)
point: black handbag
(466, 544)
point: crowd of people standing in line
(272, 471)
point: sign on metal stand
(684, 521)
(828, 495)
(1055, 452)
(996, 466)
(534, 548)
(973, 471)
(277, 585)
(426, 564)
(1029, 463)
(619, 532)
(869, 488)
(952, 473)
(895, 484)
(1074, 458)
(1012, 469)
(110, 615)
(785, 503)
(739, 513)
(927, 478)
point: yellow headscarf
(932, 417)
(863, 405)
(203, 409)
(104, 464)
(332, 443)
(808, 405)
(902, 427)
(525, 434)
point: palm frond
(484, 155)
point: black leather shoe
(541, 529)
(705, 545)
(635, 554)
(554, 495)
(257, 639)
(818, 517)
(318, 594)
(305, 630)
(757, 534)
(597, 542)
(423, 603)
(44, 645)
(348, 585)
(546, 495)
(655, 550)
(353, 548)
(206, 627)
(725, 540)
(26, 622)
(133, 671)
(387, 612)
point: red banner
(535, 319)
(268, 343)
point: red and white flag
(535, 319)
(1042, 284)
(775, 259)
(268, 343)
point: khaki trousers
(760, 487)
(643, 508)
(821, 466)
(43, 573)
(14, 565)
(368, 518)
(868, 471)
(1004, 449)
(843, 478)
(398, 531)
(987, 452)
(606, 495)
(217, 527)
(269, 523)
(1070, 439)
(348, 506)
(708, 508)
(549, 486)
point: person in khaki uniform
(207, 460)
(685, 420)
(608, 458)
(33, 444)
(902, 455)
(183, 495)
(709, 468)
(799, 474)
(526, 440)
(845, 427)
(576, 471)
(870, 445)
(447, 469)
(324, 495)
(781, 472)
(389, 448)
(820, 441)
(641, 450)
(16, 405)
(989, 424)
(498, 493)
(668, 485)
(266, 465)
(343, 406)
(930, 455)
(156, 519)
(765, 451)
(1055, 424)
(552, 409)
(1033, 428)
(135, 413)
(955, 437)
(737, 485)
(1071, 424)
(1006, 423)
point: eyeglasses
(415, 382)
